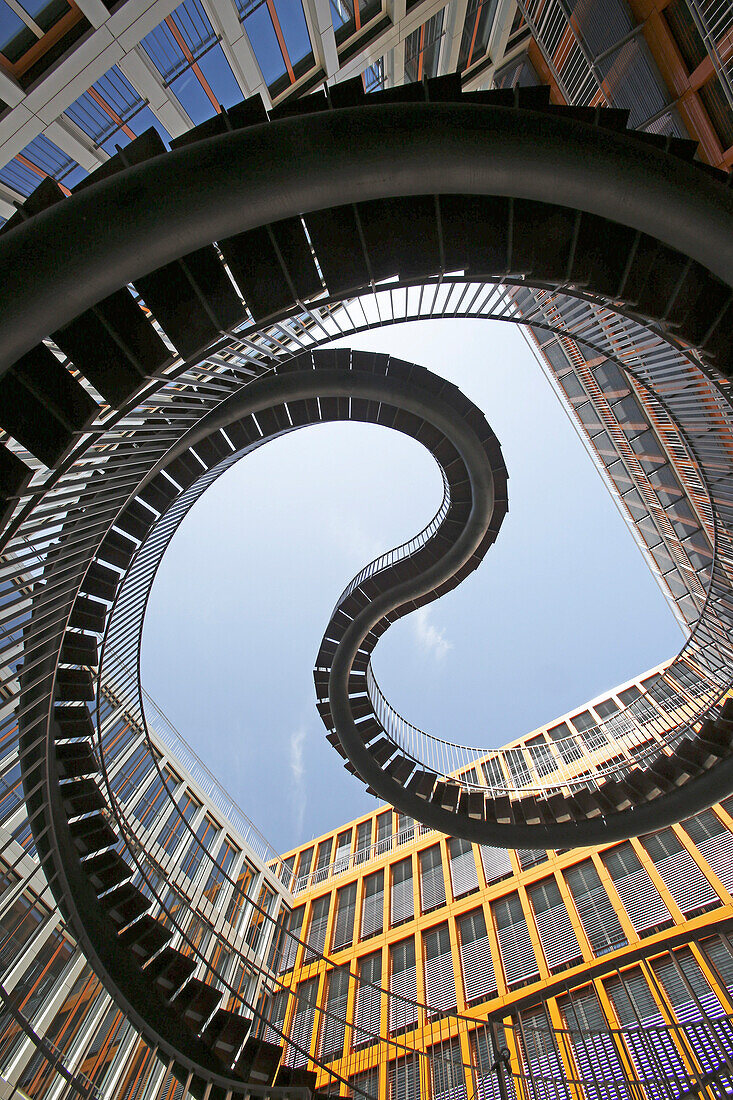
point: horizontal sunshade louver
(641, 899)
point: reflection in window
(476, 31)
(422, 49)
(279, 36)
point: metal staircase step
(92, 834)
(145, 937)
(124, 904)
(82, 796)
(75, 759)
(170, 969)
(106, 870)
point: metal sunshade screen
(714, 842)
(540, 1055)
(557, 935)
(679, 872)
(402, 906)
(290, 948)
(695, 1005)
(479, 980)
(496, 863)
(317, 927)
(720, 953)
(448, 1077)
(333, 1022)
(640, 897)
(432, 886)
(652, 1048)
(594, 1053)
(301, 1031)
(404, 1079)
(515, 946)
(368, 1000)
(276, 1011)
(402, 982)
(597, 915)
(440, 982)
(463, 876)
(372, 905)
(343, 925)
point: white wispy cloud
(297, 771)
(430, 638)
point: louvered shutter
(595, 1054)
(711, 1042)
(479, 980)
(639, 895)
(540, 1054)
(531, 857)
(316, 938)
(432, 886)
(404, 1079)
(333, 1024)
(557, 935)
(720, 954)
(487, 1086)
(343, 852)
(679, 872)
(365, 1086)
(343, 925)
(440, 983)
(651, 1046)
(496, 864)
(715, 843)
(301, 1031)
(402, 907)
(372, 905)
(446, 1070)
(402, 986)
(275, 1016)
(290, 947)
(596, 913)
(515, 946)
(463, 876)
(368, 999)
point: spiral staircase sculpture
(125, 399)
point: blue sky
(562, 608)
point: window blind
(343, 851)
(679, 872)
(432, 886)
(301, 1031)
(323, 861)
(402, 983)
(515, 946)
(404, 1079)
(539, 1051)
(479, 980)
(275, 1015)
(384, 832)
(372, 905)
(343, 925)
(316, 938)
(557, 935)
(654, 1052)
(639, 895)
(594, 907)
(401, 903)
(496, 864)
(464, 879)
(715, 843)
(446, 1071)
(440, 983)
(333, 1024)
(368, 999)
(290, 947)
(363, 841)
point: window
(714, 842)
(372, 905)
(565, 743)
(174, 828)
(343, 925)
(316, 938)
(333, 1025)
(304, 869)
(155, 797)
(384, 832)
(291, 941)
(432, 886)
(557, 935)
(343, 851)
(323, 861)
(402, 986)
(496, 864)
(479, 980)
(541, 756)
(301, 1031)
(402, 906)
(596, 913)
(680, 874)
(368, 998)
(464, 878)
(206, 834)
(641, 899)
(440, 984)
(515, 946)
(363, 841)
